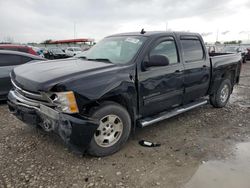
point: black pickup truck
(125, 81)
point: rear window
(192, 49)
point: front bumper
(76, 131)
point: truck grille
(30, 98)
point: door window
(10, 60)
(25, 59)
(166, 48)
(192, 49)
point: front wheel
(113, 131)
(220, 98)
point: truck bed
(220, 59)
(223, 64)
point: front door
(161, 87)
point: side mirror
(157, 60)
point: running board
(165, 115)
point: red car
(20, 48)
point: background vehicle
(54, 53)
(213, 49)
(236, 49)
(9, 60)
(19, 48)
(124, 81)
(82, 54)
(39, 51)
(248, 54)
(72, 51)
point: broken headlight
(65, 101)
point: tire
(220, 98)
(244, 60)
(113, 131)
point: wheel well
(116, 99)
(229, 75)
(226, 75)
(123, 102)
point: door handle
(178, 71)
(204, 66)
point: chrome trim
(26, 100)
(42, 98)
(26, 105)
(172, 113)
(20, 98)
(40, 108)
(192, 107)
(26, 92)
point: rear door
(196, 67)
(161, 88)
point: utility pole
(217, 35)
(74, 30)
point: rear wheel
(113, 131)
(220, 98)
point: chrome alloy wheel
(224, 93)
(109, 131)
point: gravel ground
(32, 158)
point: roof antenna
(142, 31)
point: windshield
(77, 49)
(56, 50)
(116, 50)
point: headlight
(66, 101)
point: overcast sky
(38, 20)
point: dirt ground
(32, 158)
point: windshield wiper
(101, 59)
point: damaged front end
(35, 109)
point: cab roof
(154, 33)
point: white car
(72, 51)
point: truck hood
(41, 76)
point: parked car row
(236, 49)
(245, 52)
(58, 53)
(48, 53)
